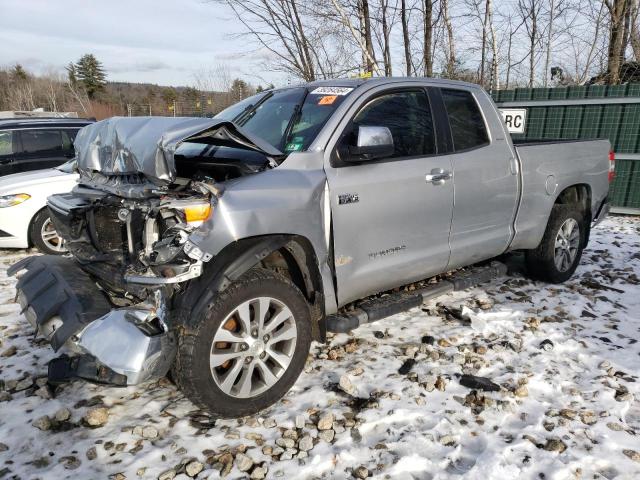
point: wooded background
(500, 44)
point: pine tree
(90, 74)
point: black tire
(35, 233)
(541, 262)
(191, 370)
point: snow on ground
(570, 411)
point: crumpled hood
(146, 145)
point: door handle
(438, 176)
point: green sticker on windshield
(293, 147)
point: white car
(24, 217)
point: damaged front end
(127, 226)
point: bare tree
(427, 21)
(618, 13)
(451, 47)
(405, 36)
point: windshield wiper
(250, 110)
(295, 116)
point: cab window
(465, 119)
(407, 115)
(7, 143)
(41, 140)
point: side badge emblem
(345, 198)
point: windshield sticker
(331, 91)
(327, 100)
(293, 147)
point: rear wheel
(558, 255)
(43, 234)
(247, 348)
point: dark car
(36, 143)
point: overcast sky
(158, 41)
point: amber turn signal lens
(197, 213)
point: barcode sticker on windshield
(331, 91)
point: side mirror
(371, 143)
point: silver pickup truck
(220, 248)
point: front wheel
(558, 255)
(247, 348)
(43, 234)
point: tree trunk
(532, 43)
(547, 59)
(495, 82)
(371, 58)
(483, 57)
(306, 57)
(428, 38)
(405, 36)
(617, 13)
(451, 57)
(386, 54)
(634, 35)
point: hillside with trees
(85, 89)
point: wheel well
(578, 195)
(30, 227)
(290, 255)
(297, 261)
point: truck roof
(356, 82)
(38, 122)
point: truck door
(485, 178)
(391, 216)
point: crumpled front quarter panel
(285, 200)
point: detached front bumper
(123, 346)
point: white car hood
(35, 178)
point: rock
(285, 442)
(71, 462)
(9, 352)
(44, 393)
(167, 475)
(306, 443)
(521, 391)
(443, 342)
(546, 345)
(326, 435)
(300, 421)
(356, 372)
(150, 432)
(458, 358)
(256, 437)
(267, 450)
(616, 427)
(325, 422)
(288, 454)
(346, 386)
(92, 453)
(378, 334)
(555, 445)
(277, 451)
(448, 440)
(5, 396)
(269, 423)
(290, 434)
(632, 454)
(24, 384)
(479, 383)
(194, 468)
(259, 473)
(63, 415)
(3, 447)
(97, 417)
(441, 383)
(588, 417)
(141, 471)
(43, 423)
(428, 339)
(406, 366)
(568, 414)
(361, 472)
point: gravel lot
(385, 402)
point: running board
(379, 308)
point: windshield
(289, 119)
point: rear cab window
(468, 128)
